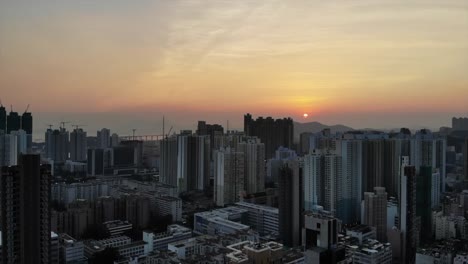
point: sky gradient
(362, 63)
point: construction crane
(133, 133)
(168, 133)
(78, 126)
(27, 108)
(50, 126)
(62, 124)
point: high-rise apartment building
(465, 159)
(78, 145)
(254, 173)
(375, 211)
(3, 118)
(27, 123)
(428, 149)
(57, 144)
(290, 203)
(322, 180)
(104, 138)
(408, 211)
(13, 122)
(168, 164)
(349, 182)
(273, 133)
(460, 123)
(193, 162)
(229, 172)
(25, 192)
(424, 202)
(372, 164)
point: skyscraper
(349, 182)
(103, 138)
(56, 144)
(168, 164)
(254, 174)
(27, 126)
(465, 159)
(3, 118)
(78, 145)
(290, 203)
(211, 130)
(375, 211)
(193, 159)
(25, 211)
(322, 180)
(13, 122)
(273, 133)
(229, 168)
(424, 201)
(372, 164)
(428, 149)
(408, 211)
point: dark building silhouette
(290, 203)
(209, 129)
(408, 214)
(13, 122)
(465, 159)
(27, 123)
(424, 202)
(25, 192)
(3, 118)
(460, 123)
(372, 164)
(95, 161)
(137, 145)
(274, 133)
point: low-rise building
(264, 219)
(117, 227)
(71, 250)
(221, 221)
(373, 252)
(160, 241)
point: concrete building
(229, 173)
(362, 233)
(263, 219)
(375, 211)
(103, 138)
(290, 203)
(373, 252)
(54, 252)
(117, 227)
(274, 133)
(78, 145)
(460, 123)
(57, 144)
(320, 238)
(71, 250)
(254, 164)
(269, 252)
(25, 192)
(323, 181)
(159, 241)
(168, 164)
(227, 220)
(193, 162)
(168, 205)
(408, 211)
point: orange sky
(279, 57)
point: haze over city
(382, 64)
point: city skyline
(358, 62)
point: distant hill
(315, 127)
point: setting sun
(305, 115)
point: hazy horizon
(150, 123)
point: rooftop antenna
(63, 124)
(227, 126)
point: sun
(305, 115)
